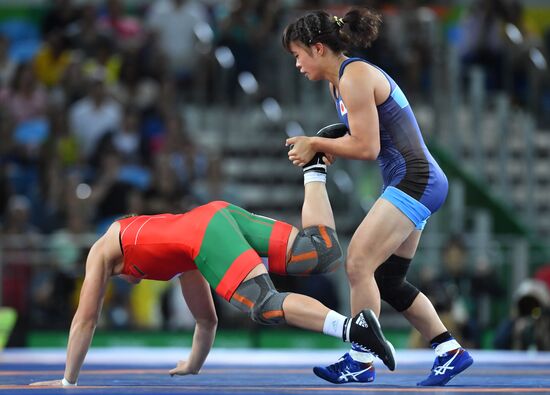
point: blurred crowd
(468, 294)
(513, 52)
(92, 127)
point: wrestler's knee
(259, 298)
(315, 250)
(358, 266)
(391, 278)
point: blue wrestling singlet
(404, 160)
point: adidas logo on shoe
(361, 321)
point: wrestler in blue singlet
(404, 159)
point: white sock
(314, 176)
(447, 346)
(334, 324)
(360, 356)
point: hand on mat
(50, 383)
(182, 369)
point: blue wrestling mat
(234, 371)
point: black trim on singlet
(120, 243)
(417, 175)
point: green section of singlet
(255, 229)
(222, 244)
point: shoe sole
(319, 373)
(442, 383)
(464, 367)
(333, 131)
(389, 350)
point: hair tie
(338, 21)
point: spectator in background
(543, 274)
(109, 196)
(417, 46)
(53, 58)
(173, 22)
(127, 139)
(72, 86)
(483, 43)
(7, 66)
(114, 21)
(25, 99)
(194, 168)
(19, 237)
(104, 59)
(5, 189)
(244, 27)
(24, 105)
(54, 282)
(166, 194)
(61, 15)
(84, 32)
(94, 116)
(154, 118)
(188, 161)
(135, 88)
(61, 173)
(528, 326)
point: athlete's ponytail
(360, 27)
(357, 29)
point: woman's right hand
(300, 152)
(183, 369)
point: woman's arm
(357, 91)
(198, 297)
(99, 266)
(87, 313)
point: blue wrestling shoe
(346, 370)
(448, 366)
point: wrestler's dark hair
(357, 29)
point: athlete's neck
(333, 74)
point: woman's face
(306, 60)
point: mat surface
(145, 371)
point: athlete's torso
(404, 159)
(159, 247)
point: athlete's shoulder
(357, 69)
(353, 65)
(108, 244)
(358, 78)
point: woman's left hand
(301, 151)
(183, 369)
(50, 383)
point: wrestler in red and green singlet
(220, 245)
